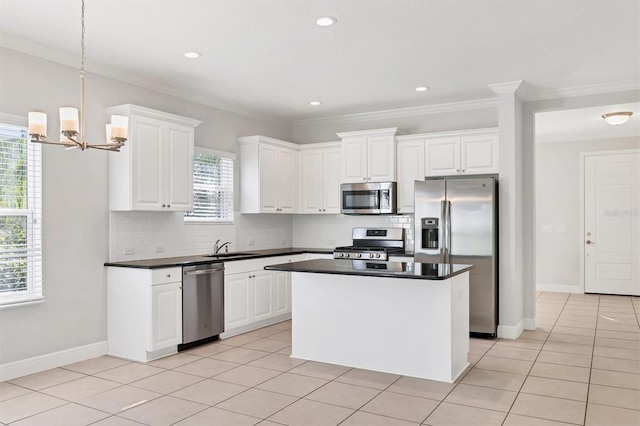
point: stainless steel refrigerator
(456, 221)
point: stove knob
(378, 255)
(359, 255)
(343, 254)
(370, 255)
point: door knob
(590, 242)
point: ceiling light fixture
(315, 103)
(72, 130)
(192, 55)
(617, 118)
(326, 21)
(422, 88)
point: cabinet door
(410, 169)
(148, 158)
(442, 156)
(312, 182)
(479, 154)
(269, 178)
(355, 159)
(287, 179)
(381, 154)
(237, 300)
(166, 315)
(262, 287)
(179, 168)
(331, 179)
(282, 292)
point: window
(20, 216)
(212, 187)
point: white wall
(75, 199)
(558, 205)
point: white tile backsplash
(329, 231)
(147, 232)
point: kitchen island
(403, 318)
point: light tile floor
(581, 366)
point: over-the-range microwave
(368, 198)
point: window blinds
(20, 217)
(212, 187)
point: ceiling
(268, 57)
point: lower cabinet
(255, 297)
(144, 312)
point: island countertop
(414, 270)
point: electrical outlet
(561, 228)
(129, 250)
(159, 249)
(547, 228)
(251, 242)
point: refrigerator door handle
(447, 225)
(443, 231)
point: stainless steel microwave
(368, 198)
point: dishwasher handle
(203, 269)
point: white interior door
(612, 223)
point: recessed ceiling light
(422, 88)
(315, 103)
(192, 55)
(326, 21)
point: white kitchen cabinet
(255, 297)
(473, 152)
(369, 156)
(321, 170)
(410, 157)
(282, 292)
(268, 175)
(144, 312)
(154, 170)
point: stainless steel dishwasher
(202, 303)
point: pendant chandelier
(72, 130)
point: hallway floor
(581, 366)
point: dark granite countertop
(168, 262)
(425, 271)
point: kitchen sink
(227, 255)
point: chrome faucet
(217, 248)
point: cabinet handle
(463, 170)
(168, 275)
(457, 170)
(168, 205)
(163, 205)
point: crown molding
(592, 89)
(400, 112)
(128, 109)
(506, 87)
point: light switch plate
(561, 228)
(129, 250)
(547, 228)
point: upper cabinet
(369, 156)
(268, 175)
(473, 152)
(410, 169)
(321, 175)
(154, 170)
(443, 154)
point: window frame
(214, 221)
(33, 215)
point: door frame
(583, 156)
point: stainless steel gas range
(372, 244)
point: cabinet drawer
(166, 275)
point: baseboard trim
(511, 331)
(559, 288)
(40, 363)
(529, 323)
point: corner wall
(75, 201)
